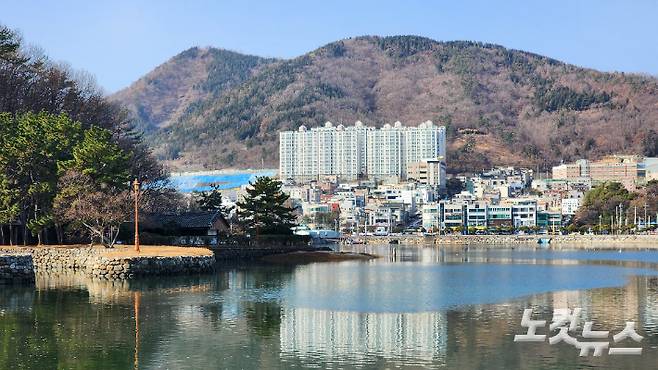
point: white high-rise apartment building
(357, 151)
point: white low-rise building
(570, 206)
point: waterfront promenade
(504, 241)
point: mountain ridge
(500, 106)
(189, 77)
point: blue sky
(119, 41)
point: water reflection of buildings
(649, 302)
(457, 254)
(607, 307)
(349, 336)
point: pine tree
(264, 211)
(212, 200)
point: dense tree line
(611, 204)
(65, 152)
(562, 97)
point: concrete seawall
(556, 241)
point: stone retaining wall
(127, 268)
(91, 261)
(16, 268)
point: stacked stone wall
(93, 262)
(16, 268)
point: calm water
(415, 307)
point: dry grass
(156, 251)
(128, 251)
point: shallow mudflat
(317, 256)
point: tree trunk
(60, 234)
(11, 235)
(114, 234)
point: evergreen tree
(603, 201)
(98, 157)
(9, 45)
(36, 150)
(212, 200)
(32, 147)
(209, 200)
(264, 211)
(454, 186)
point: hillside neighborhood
(500, 200)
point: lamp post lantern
(136, 194)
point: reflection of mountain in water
(354, 336)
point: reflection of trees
(263, 318)
(58, 329)
(212, 313)
(266, 276)
(73, 323)
(72, 328)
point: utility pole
(650, 220)
(136, 193)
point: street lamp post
(136, 196)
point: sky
(119, 41)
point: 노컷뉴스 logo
(565, 321)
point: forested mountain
(500, 106)
(195, 75)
